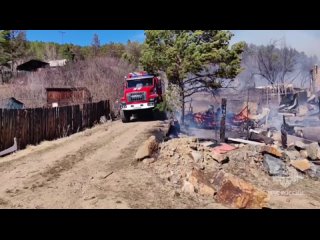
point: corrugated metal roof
(11, 103)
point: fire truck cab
(142, 93)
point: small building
(67, 96)
(11, 103)
(32, 65)
(57, 63)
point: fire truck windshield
(140, 82)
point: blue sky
(303, 40)
(84, 37)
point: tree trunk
(279, 99)
(182, 103)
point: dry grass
(102, 76)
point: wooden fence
(31, 126)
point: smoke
(299, 76)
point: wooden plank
(239, 140)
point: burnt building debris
(315, 79)
(67, 96)
(289, 103)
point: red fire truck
(142, 93)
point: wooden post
(284, 134)
(223, 120)
(247, 120)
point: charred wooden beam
(284, 134)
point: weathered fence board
(31, 126)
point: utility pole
(62, 33)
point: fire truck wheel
(125, 116)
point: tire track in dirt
(68, 169)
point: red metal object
(142, 93)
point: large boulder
(237, 193)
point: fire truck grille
(134, 97)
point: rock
(291, 155)
(254, 148)
(147, 148)
(274, 166)
(238, 156)
(206, 190)
(203, 185)
(187, 187)
(301, 165)
(271, 150)
(220, 158)
(300, 145)
(103, 119)
(193, 139)
(148, 160)
(276, 136)
(175, 194)
(235, 192)
(197, 156)
(312, 150)
(194, 147)
(89, 197)
(304, 154)
(314, 172)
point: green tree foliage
(132, 53)
(66, 52)
(114, 50)
(95, 45)
(2, 39)
(13, 45)
(194, 60)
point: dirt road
(91, 169)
